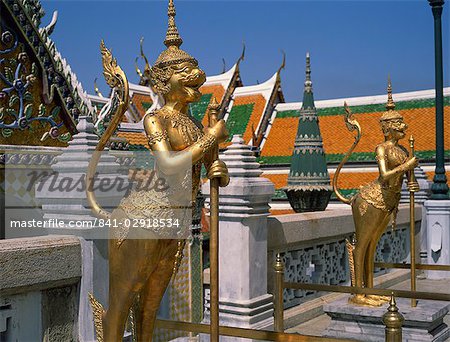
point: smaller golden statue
(376, 203)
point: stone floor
(316, 326)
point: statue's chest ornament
(182, 130)
(396, 156)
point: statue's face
(397, 128)
(185, 82)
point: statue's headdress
(173, 54)
(391, 113)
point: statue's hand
(218, 169)
(219, 130)
(413, 186)
(411, 163)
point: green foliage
(28, 96)
(6, 132)
(9, 74)
(55, 112)
(65, 137)
(42, 110)
(28, 111)
(13, 100)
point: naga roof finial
(283, 63)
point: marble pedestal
(422, 323)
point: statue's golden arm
(159, 142)
(385, 173)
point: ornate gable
(40, 97)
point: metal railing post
(278, 266)
(393, 320)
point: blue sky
(353, 44)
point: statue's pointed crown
(390, 113)
(173, 54)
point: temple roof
(416, 107)
(54, 97)
(251, 109)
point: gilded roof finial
(172, 36)
(308, 82)
(224, 66)
(147, 64)
(283, 63)
(390, 105)
(242, 56)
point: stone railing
(39, 285)
(312, 246)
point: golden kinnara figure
(376, 203)
(140, 269)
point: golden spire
(390, 105)
(172, 36)
(172, 54)
(391, 113)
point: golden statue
(376, 203)
(140, 269)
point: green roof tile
(198, 109)
(238, 119)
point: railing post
(278, 266)
(393, 321)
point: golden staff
(213, 114)
(412, 238)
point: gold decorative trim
(157, 137)
(351, 261)
(206, 142)
(97, 311)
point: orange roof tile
(279, 180)
(281, 137)
(139, 100)
(134, 138)
(217, 91)
(337, 139)
(347, 180)
(353, 180)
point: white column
(438, 236)
(243, 211)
